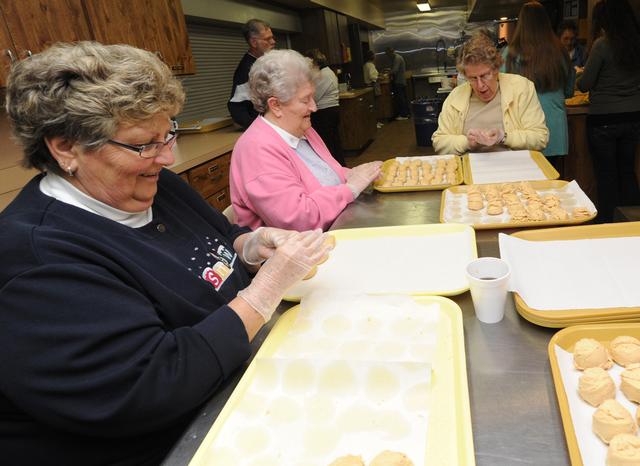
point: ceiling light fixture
(423, 5)
(503, 18)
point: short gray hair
(279, 73)
(83, 92)
(254, 28)
(479, 49)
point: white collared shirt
(60, 189)
(325, 175)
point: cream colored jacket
(522, 117)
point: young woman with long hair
(612, 77)
(536, 53)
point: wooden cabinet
(211, 180)
(357, 119)
(29, 26)
(327, 31)
(7, 51)
(384, 102)
(155, 25)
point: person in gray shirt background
(399, 83)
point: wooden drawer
(211, 177)
(220, 200)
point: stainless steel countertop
(514, 411)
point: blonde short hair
(479, 49)
(279, 73)
(83, 92)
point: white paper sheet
(500, 167)
(578, 274)
(456, 211)
(592, 449)
(360, 327)
(395, 264)
(306, 412)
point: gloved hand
(290, 262)
(491, 137)
(484, 137)
(262, 243)
(472, 138)
(358, 178)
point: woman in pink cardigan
(282, 174)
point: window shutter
(216, 51)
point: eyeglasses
(485, 78)
(151, 150)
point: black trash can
(425, 118)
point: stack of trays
(337, 376)
(565, 318)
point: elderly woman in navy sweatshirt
(125, 299)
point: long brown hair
(535, 51)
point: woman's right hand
(358, 178)
(291, 262)
(484, 137)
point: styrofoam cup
(489, 285)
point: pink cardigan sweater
(272, 186)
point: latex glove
(358, 178)
(262, 243)
(485, 137)
(491, 137)
(472, 138)
(290, 262)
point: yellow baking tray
(566, 339)
(449, 439)
(377, 257)
(579, 98)
(564, 318)
(537, 185)
(540, 160)
(377, 185)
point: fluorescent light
(503, 18)
(423, 5)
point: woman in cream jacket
(492, 111)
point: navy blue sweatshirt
(111, 337)
(243, 112)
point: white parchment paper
(429, 264)
(499, 167)
(592, 449)
(576, 274)
(361, 327)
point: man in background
(399, 83)
(568, 33)
(258, 35)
